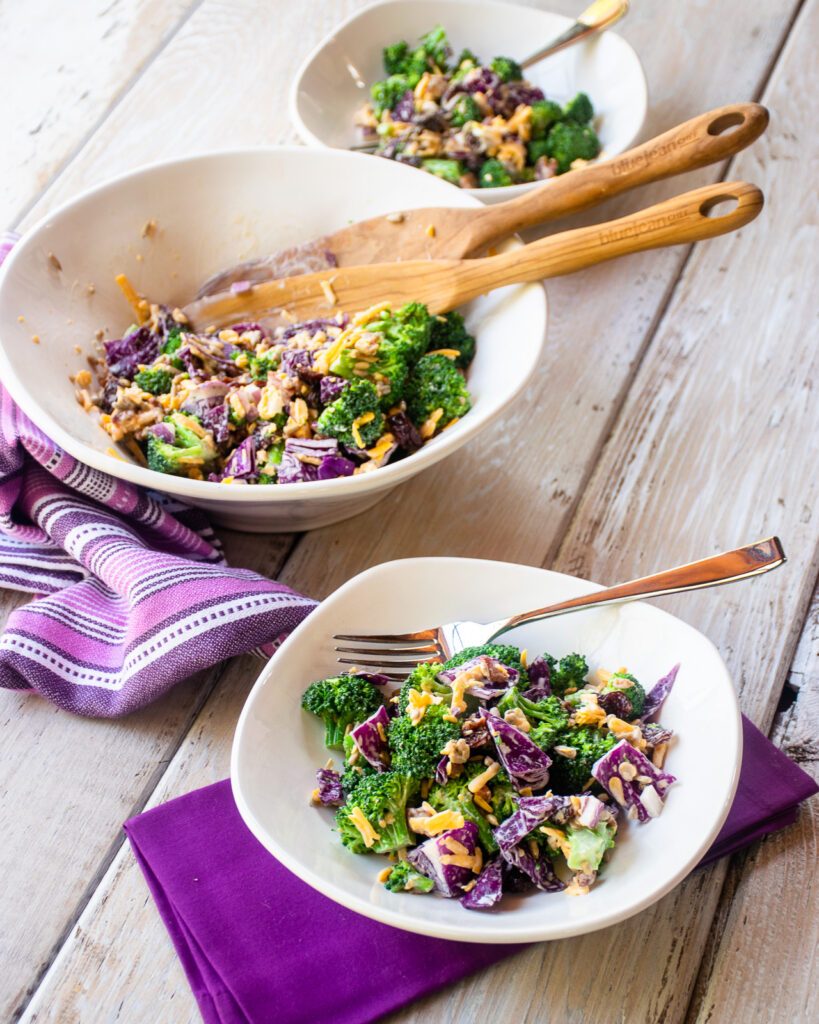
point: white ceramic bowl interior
(335, 79)
(211, 211)
(276, 740)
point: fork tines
(394, 655)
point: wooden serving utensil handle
(703, 140)
(683, 219)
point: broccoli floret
(386, 93)
(579, 109)
(506, 654)
(192, 447)
(423, 678)
(544, 115)
(354, 770)
(404, 878)
(567, 674)
(536, 149)
(465, 62)
(507, 69)
(504, 796)
(547, 716)
(156, 381)
(382, 799)
(569, 141)
(344, 418)
(494, 175)
(436, 383)
(449, 331)
(416, 748)
(435, 49)
(455, 796)
(449, 170)
(396, 58)
(340, 701)
(570, 775)
(634, 694)
(173, 341)
(265, 478)
(404, 338)
(464, 109)
(260, 365)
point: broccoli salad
(258, 405)
(471, 124)
(485, 775)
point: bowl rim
(205, 490)
(474, 932)
(485, 195)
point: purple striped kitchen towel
(136, 595)
(134, 592)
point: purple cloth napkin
(260, 946)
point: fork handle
(708, 572)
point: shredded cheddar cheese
(368, 833)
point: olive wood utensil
(458, 232)
(397, 654)
(444, 284)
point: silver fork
(397, 654)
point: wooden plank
(64, 67)
(771, 894)
(117, 961)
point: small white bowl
(211, 211)
(278, 747)
(334, 81)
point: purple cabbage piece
(658, 693)
(532, 811)
(490, 689)
(515, 880)
(330, 793)
(163, 432)
(404, 108)
(330, 463)
(591, 810)
(242, 462)
(248, 325)
(312, 327)
(647, 798)
(539, 869)
(368, 737)
(441, 773)
(376, 678)
(522, 759)
(449, 879)
(488, 889)
(330, 387)
(216, 419)
(540, 675)
(295, 359)
(124, 355)
(516, 94)
(481, 80)
(405, 432)
(655, 733)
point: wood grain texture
(771, 896)
(64, 66)
(117, 963)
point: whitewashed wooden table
(676, 414)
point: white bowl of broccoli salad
(268, 427)
(438, 86)
(546, 785)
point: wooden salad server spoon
(443, 285)
(458, 232)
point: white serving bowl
(211, 211)
(278, 747)
(335, 79)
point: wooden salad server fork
(458, 232)
(397, 654)
(443, 285)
